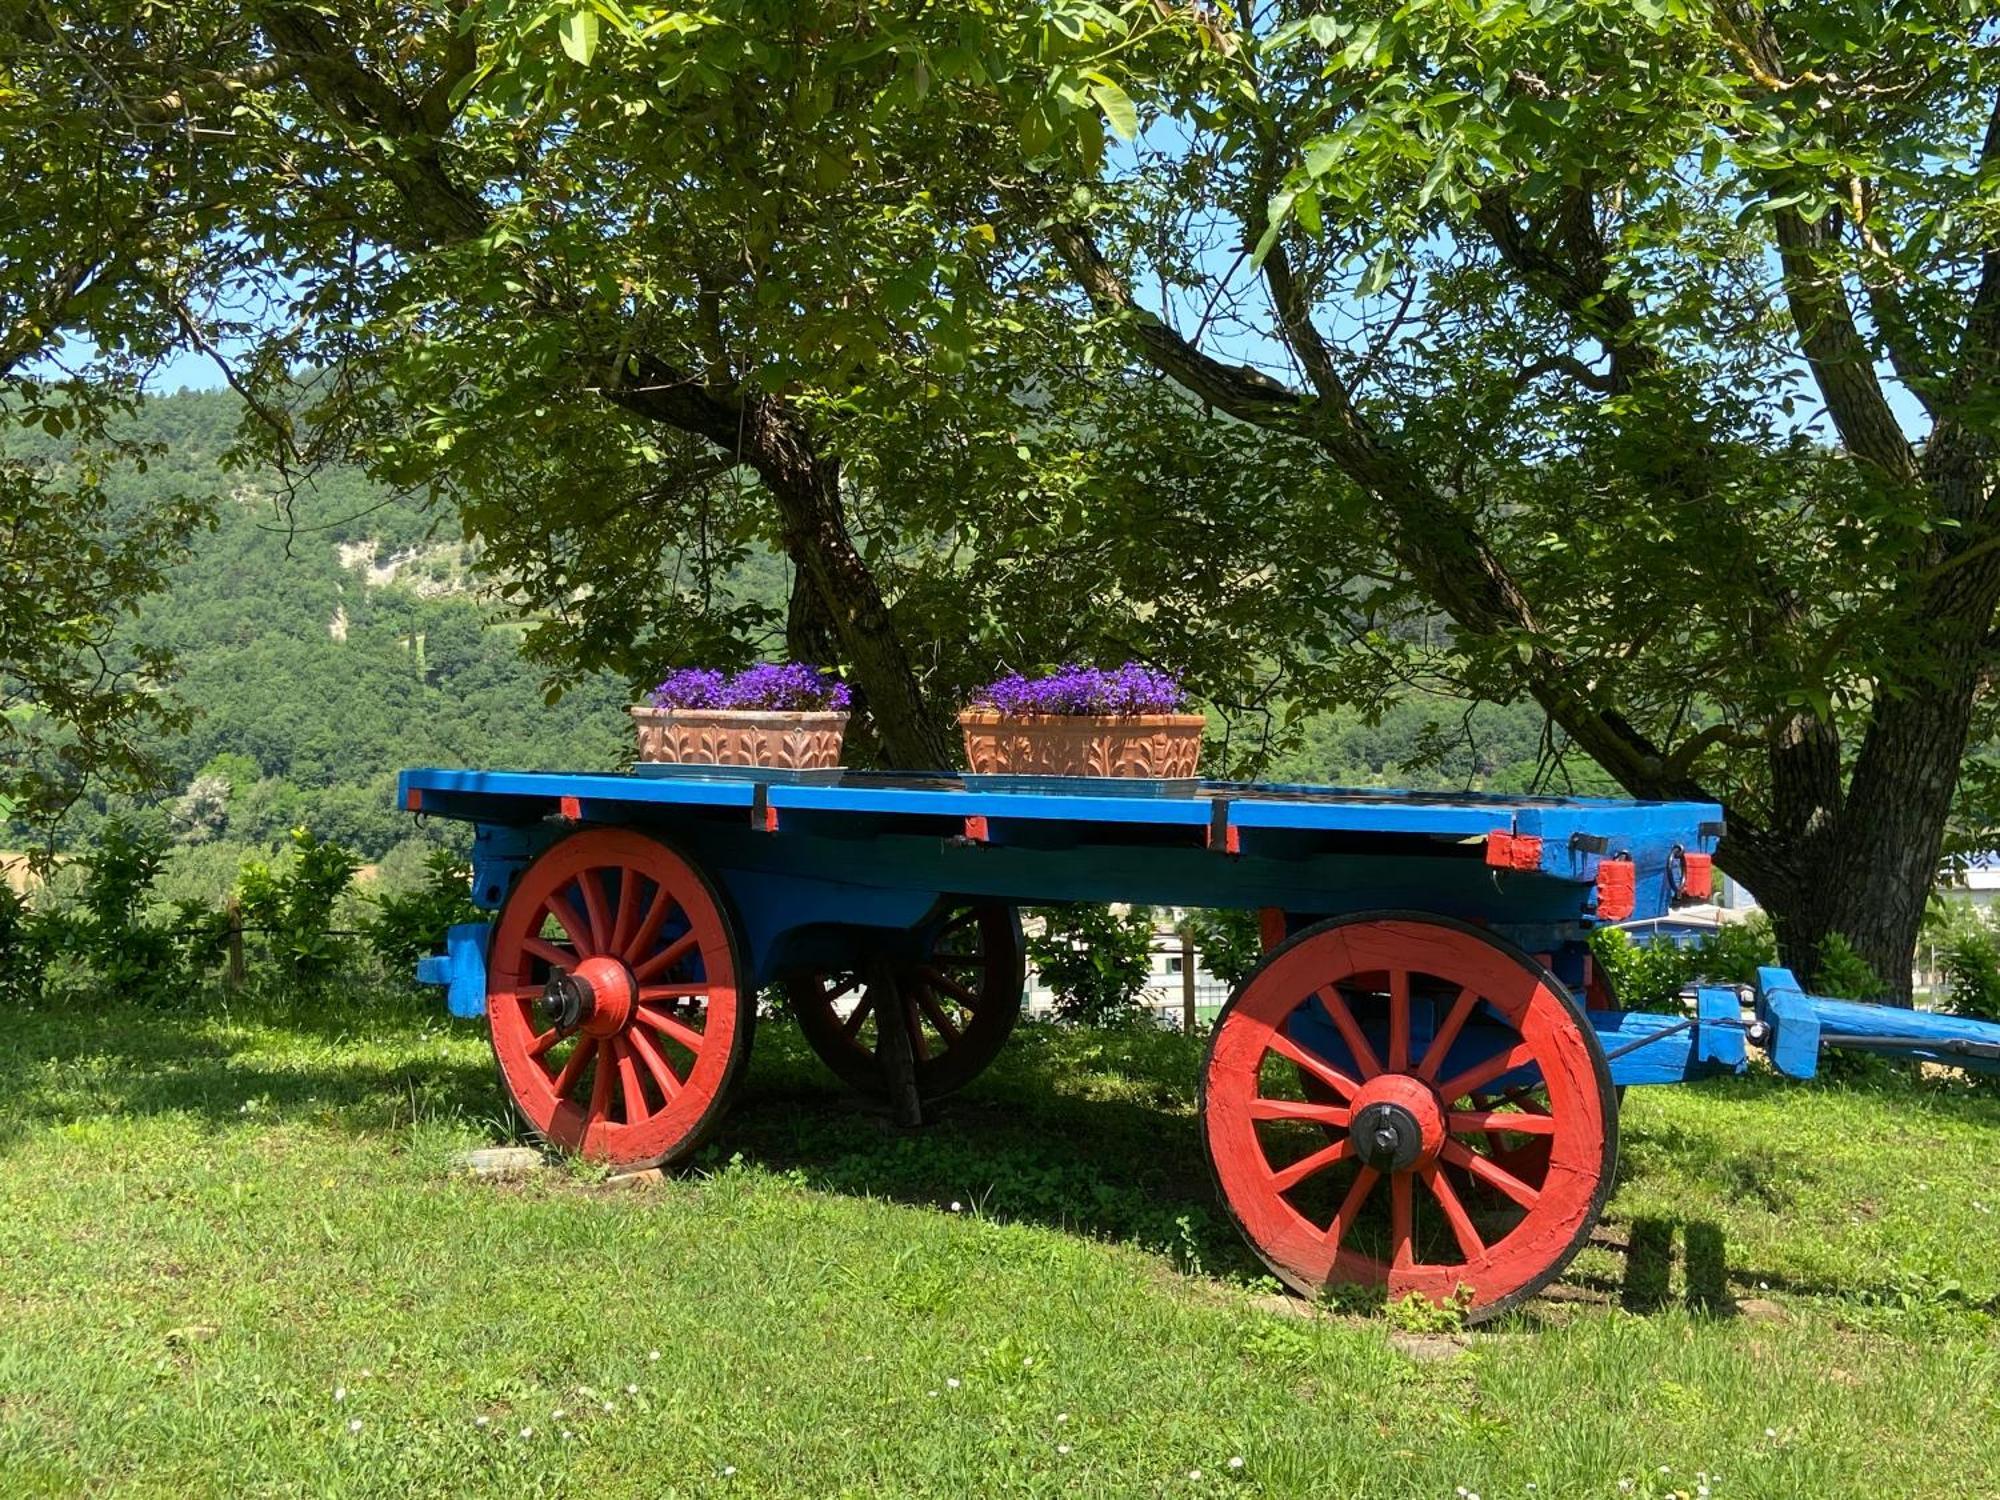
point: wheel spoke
(1517, 1056)
(1455, 1215)
(1295, 1109)
(1350, 1207)
(1399, 1020)
(920, 1044)
(1324, 1071)
(649, 930)
(833, 993)
(1290, 1177)
(594, 910)
(1335, 1005)
(671, 1026)
(1498, 1121)
(666, 958)
(572, 925)
(851, 1027)
(1402, 1248)
(938, 1018)
(600, 1083)
(628, 1084)
(549, 953)
(1486, 1170)
(671, 991)
(1454, 1023)
(627, 921)
(572, 1070)
(663, 1073)
(963, 994)
(541, 1044)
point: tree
(643, 289)
(1583, 325)
(1662, 341)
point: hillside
(327, 643)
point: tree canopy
(1651, 345)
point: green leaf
(1117, 107)
(579, 36)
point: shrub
(1968, 948)
(1230, 943)
(1096, 961)
(406, 926)
(293, 905)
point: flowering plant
(766, 687)
(1129, 690)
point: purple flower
(793, 686)
(767, 687)
(1131, 689)
(692, 687)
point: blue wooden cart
(1416, 1089)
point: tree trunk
(834, 597)
(813, 527)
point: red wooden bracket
(1513, 851)
(413, 800)
(1617, 888)
(770, 818)
(975, 831)
(571, 809)
(1270, 926)
(1222, 834)
(1698, 880)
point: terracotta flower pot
(780, 741)
(1156, 746)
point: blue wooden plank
(1653, 827)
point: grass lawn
(235, 1257)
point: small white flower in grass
(933, 1393)
(479, 1421)
(365, 1374)
(652, 1356)
(1664, 1469)
(633, 1390)
(340, 1393)
(1770, 1432)
(609, 1407)
(1194, 1473)
(355, 1425)
(1062, 1447)
(1460, 1492)
(1062, 1416)
(1236, 1462)
(1624, 1484)
(527, 1432)
(557, 1415)
(957, 1207)
(729, 1471)
(952, 1381)
(1701, 1492)
(567, 1433)
(1026, 1360)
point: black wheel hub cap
(1386, 1137)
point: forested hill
(327, 645)
(326, 648)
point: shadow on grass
(72, 1064)
(1086, 1133)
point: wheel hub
(598, 996)
(1397, 1123)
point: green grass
(211, 1223)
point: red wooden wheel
(958, 1005)
(615, 999)
(1458, 1134)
